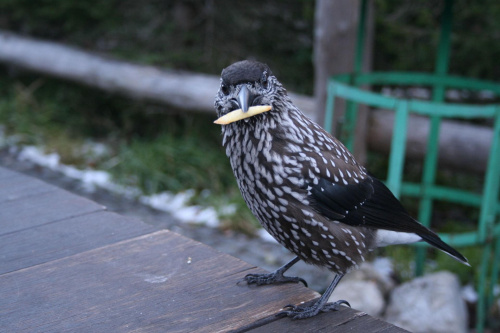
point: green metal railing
(348, 86)
(487, 233)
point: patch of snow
(469, 294)
(228, 209)
(175, 204)
(90, 179)
(208, 216)
(94, 149)
(167, 201)
(37, 156)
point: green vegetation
(149, 146)
(407, 34)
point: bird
(304, 187)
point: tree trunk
(336, 25)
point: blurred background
(159, 148)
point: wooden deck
(68, 265)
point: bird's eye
(224, 88)
(264, 81)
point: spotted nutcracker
(304, 186)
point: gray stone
(361, 295)
(364, 289)
(369, 272)
(432, 303)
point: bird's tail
(434, 240)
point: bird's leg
(321, 305)
(276, 277)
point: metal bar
(349, 127)
(398, 147)
(360, 38)
(330, 106)
(428, 178)
(421, 78)
(448, 110)
(481, 288)
(461, 239)
(494, 273)
(443, 52)
(365, 97)
(491, 184)
(445, 193)
(430, 163)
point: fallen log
(185, 90)
(462, 146)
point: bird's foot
(304, 311)
(271, 278)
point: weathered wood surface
(68, 265)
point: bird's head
(248, 88)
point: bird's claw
(270, 278)
(304, 311)
(342, 301)
(291, 306)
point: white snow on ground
(90, 179)
(175, 204)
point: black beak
(245, 98)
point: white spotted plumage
(281, 157)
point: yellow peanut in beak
(239, 114)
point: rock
(371, 271)
(432, 303)
(364, 289)
(361, 295)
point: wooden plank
(370, 324)
(153, 283)
(18, 186)
(67, 265)
(6, 173)
(31, 211)
(37, 245)
(344, 320)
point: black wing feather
(370, 203)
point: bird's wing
(341, 190)
(367, 202)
